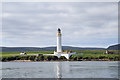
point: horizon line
(65, 45)
(62, 46)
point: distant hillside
(22, 49)
(114, 47)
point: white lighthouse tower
(59, 51)
(59, 44)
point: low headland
(89, 55)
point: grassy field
(86, 52)
(94, 51)
(29, 52)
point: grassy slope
(86, 52)
(31, 52)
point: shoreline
(42, 58)
(54, 60)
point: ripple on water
(9, 68)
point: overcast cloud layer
(82, 24)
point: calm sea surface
(66, 69)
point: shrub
(17, 57)
(75, 58)
(80, 57)
(41, 57)
(62, 57)
(55, 58)
(32, 58)
(85, 57)
(4, 58)
(49, 58)
(102, 57)
(71, 57)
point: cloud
(35, 24)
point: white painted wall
(59, 43)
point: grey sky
(83, 24)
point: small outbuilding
(23, 53)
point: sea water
(63, 69)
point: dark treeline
(62, 58)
